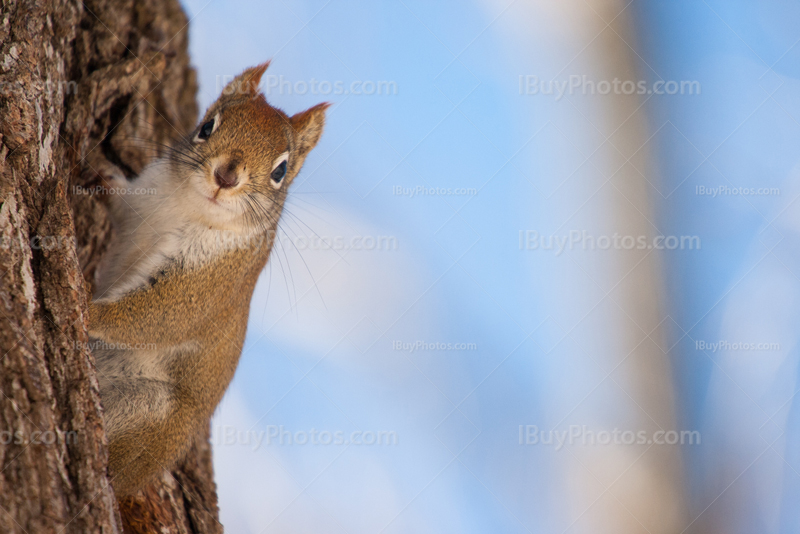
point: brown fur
(198, 315)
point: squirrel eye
(278, 174)
(206, 130)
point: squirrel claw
(103, 182)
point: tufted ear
(246, 84)
(308, 127)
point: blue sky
(543, 334)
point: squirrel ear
(247, 82)
(308, 127)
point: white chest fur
(163, 217)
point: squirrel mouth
(213, 199)
(218, 204)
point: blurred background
(539, 275)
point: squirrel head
(238, 163)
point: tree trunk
(82, 86)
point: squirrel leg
(148, 431)
(133, 406)
(148, 427)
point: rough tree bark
(82, 85)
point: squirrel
(169, 312)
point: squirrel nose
(226, 176)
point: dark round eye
(206, 129)
(279, 172)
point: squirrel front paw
(103, 180)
